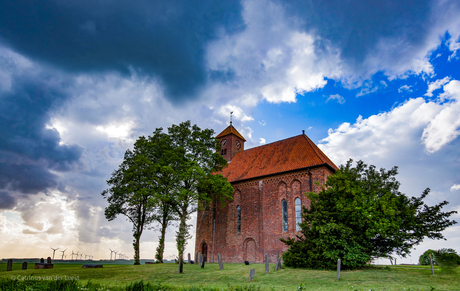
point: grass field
(389, 278)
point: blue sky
(79, 82)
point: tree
(131, 191)
(196, 159)
(360, 215)
(424, 258)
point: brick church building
(269, 182)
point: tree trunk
(182, 234)
(161, 242)
(136, 250)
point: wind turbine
(63, 254)
(111, 253)
(54, 250)
(81, 256)
(71, 255)
(115, 254)
(76, 256)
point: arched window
(298, 211)
(238, 219)
(285, 216)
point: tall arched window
(298, 211)
(238, 219)
(285, 216)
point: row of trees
(360, 215)
(162, 179)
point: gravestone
(9, 265)
(251, 274)
(338, 269)
(189, 258)
(431, 263)
(48, 260)
(278, 262)
(246, 263)
(196, 258)
(181, 265)
(91, 266)
(42, 260)
(202, 261)
(266, 264)
(24, 265)
(221, 264)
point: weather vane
(231, 112)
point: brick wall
(261, 217)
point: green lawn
(392, 278)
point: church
(269, 182)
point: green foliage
(360, 215)
(424, 259)
(447, 259)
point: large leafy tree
(131, 191)
(196, 161)
(360, 215)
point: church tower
(231, 141)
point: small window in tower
(285, 216)
(223, 152)
(298, 214)
(238, 219)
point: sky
(80, 81)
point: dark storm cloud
(356, 27)
(28, 149)
(162, 38)
(6, 200)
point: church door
(250, 250)
(204, 251)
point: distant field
(392, 278)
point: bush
(447, 259)
(424, 259)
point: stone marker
(42, 260)
(246, 263)
(338, 269)
(278, 262)
(43, 266)
(91, 266)
(48, 260)
(181, 265)
(189, 258)
(24, 265)
(9, 265)
(221, 264)
(202, 261)
(266, 264)
(431, 263)
(251, 274)
(196, 258)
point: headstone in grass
(431, 263)
(9, 265)
(24, 265)
(48, 260)
(278, 262)
(196, 258)
(251, 274)
(219, 259)
(189, 258)
(202, 261)
(338, 269)
(42, 260)
(266, 264)
(181, 265)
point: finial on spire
(231, 112)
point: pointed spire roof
(230, 130)
(291, 154)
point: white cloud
(405, 88)
(237, 113)
(455, 187)
(337, 97)
(436, 85)
(444, 127)
(262, 141)
(262, 122)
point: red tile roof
(230, 129)
(294, 153)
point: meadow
(235, 277)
